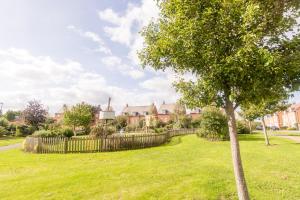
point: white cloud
(25, 77)
(125, 28)
(111, 61)
(115, 63)
(93, 37)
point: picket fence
(99, 144)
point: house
(289, 118)
(167, 111)
(137, 113)
(195, 113)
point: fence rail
(99, 144)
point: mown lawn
(289, 133)
(7, 140)
(187, 168)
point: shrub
(242, 128)
(44, 133)
(283, 128)
(3, 131)
(3, 122)
(66, 132)
(160, 130)
(130, 128)
(291, 129)
(24, 130)
(213, 124)
(196, 122)
(101, 130)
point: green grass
(187, 168)
(7, 140)
(282, 132)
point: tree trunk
(265, 132)
(235, 153)
(250, 126)
(74, 130)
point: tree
(120, 122)
(35, 113)
(11, 115)
(236, 50)
(261, 110)
(80, 115)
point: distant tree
(237, 51)
(35, 113)
(254, 111)
(11, 115)
(4, 122)
(80, 115)
(120, 122)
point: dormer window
(146, 113)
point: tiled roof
(170, 108)
(141, 110)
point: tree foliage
(11, 115)
(80, 115)
(35, 113)
(237, 51)
(213, 124)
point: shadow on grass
(174, 141)
(7, 138)
(249, 138)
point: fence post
(65, 145)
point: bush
(66, 132)
(3, 131)
(283, 128)
(196, 122)
(160, 130)
(44, 133)
(291, 129)
(213, 124)
(101, 130)
(3, 122)
(24, 130)
(242, 128)
(130, 128)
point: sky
(70, 51)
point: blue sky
(68, 51)
(71, 51)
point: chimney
(126, 104)
(164, 102)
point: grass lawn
(290, 133)
(187, 168)
(7, 140)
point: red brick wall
(164, 117)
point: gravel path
(12, 146)
(294, 138)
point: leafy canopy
(79, 115)
(35, 113)
(238, 50)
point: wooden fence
(99, 144)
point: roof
(170, 108)
(141, 110)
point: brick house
(137, 113)
(167, 111)
(289, 118)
